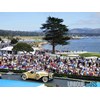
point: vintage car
(37, 75)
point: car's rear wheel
(45, 79)
(24, 77)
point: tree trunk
(53, 49)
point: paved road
(55, 82)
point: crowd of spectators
(44, 61)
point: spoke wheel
(24, 77)
(45, 79)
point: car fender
(44, 75)
(39, 76)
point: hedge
(15, 71)
(90, 78)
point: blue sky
(31, 21)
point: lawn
(89, 54)
(31, 37)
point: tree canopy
(14, 41)
(22, 47)
(55, 32)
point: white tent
(35, 49)
(9, 48)
(6, 50)
(92, 57)
(73, 55)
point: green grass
(63, 55)
(89, 54)
(2, 72)
(31, 37)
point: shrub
(22, 47)
(15, 71)
(14, 41)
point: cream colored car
(37, 75)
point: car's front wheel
(24, 77)
(45, 79)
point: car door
(32, 75)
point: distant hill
(20, 33)
(85, 31)
(75, 31)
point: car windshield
(35, 70)
(38, 70)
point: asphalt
(56, 82)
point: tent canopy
(9, 48)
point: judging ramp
(14, 83)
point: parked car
(37, 75)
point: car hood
(41, 72)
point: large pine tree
(55, 32)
